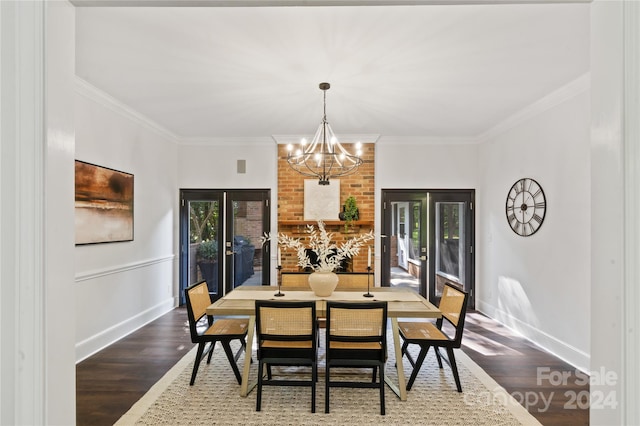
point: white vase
(323, 283)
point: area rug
(433, 400)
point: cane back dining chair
(356, 337)
(453, 306)
(223, 330)
(286, 336)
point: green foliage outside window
(208, 250)
(203, 221)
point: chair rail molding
(97, 273)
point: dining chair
(453, 306)
(356, 337)
(286, 336)
(222, 330)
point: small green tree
(350, 211)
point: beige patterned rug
(433, 400)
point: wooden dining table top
(401, 302)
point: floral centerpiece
(329, 254)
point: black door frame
(220, 195)
(428, 212)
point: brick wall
(361, 185)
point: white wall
(425, 166)
(122, 286)
(215, 167)
(539, 285)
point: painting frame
(104, 204)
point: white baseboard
(95, 343)
(577, 358)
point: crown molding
(427, 140)
(279, 3)
(91, 92)
(344, 138)
(226, 141)
(570, 90)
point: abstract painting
(104, 204)
(321, 202)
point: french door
(220, 239)
(427, 241)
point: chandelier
(324, 158)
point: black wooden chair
(286, 335)
(453, 306)
(356, 337)
(222, 330)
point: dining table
(401, 303)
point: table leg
(401, 389)
(244, 387)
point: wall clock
(526, 207)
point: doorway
(220, 234)
(428, 240)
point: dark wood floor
(111, 381)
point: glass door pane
(451, 242)
(201, 240)
(248, 219)
(404, 246)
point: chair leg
(405, 345)
(314, 379)
(438, 356)
(259, 386)
(326, 389)
(382, 404)
(232, 361)
(196, 364)
(213, 345)
(418, 364)
(373, 375)
(454, 368)
(243, 348)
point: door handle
(229, 252)
(423, 258)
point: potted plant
(349, 212)
(207, 257)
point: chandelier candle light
(329, 255)
(324, 158)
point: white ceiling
(425, 71)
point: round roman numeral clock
(526, 207)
